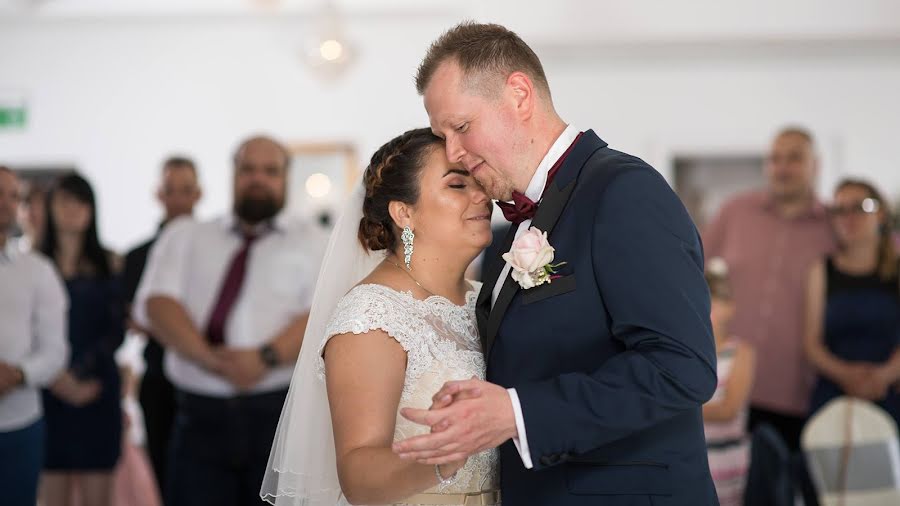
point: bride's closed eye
(455, 182)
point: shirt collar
(816, 210)
(559, 147)
(277, 224)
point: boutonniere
(531, 258)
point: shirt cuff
(521, 442)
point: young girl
(725, 415)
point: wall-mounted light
(318, 185)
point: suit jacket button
(549, 460)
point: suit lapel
(554, 201)
(493, 268)
(549, 210)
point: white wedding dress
(442, 344)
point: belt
(486, 498)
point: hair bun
(374, 235)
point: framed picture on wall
(319, 178)
(705, 181)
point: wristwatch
(20, 376)
(269, 356)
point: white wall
(658, 101)
(115, 96)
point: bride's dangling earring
(407, 237)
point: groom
(595, 379)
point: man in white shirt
(178, 193)
(229, 300)
(33, 350)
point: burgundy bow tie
(523, 208)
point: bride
(392, 320)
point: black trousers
(157, 398)
(220, 448)
(788, 426)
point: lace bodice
(442, 344)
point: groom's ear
(400, 213)
(521, 92)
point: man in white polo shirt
(229, 299)
(33, 351)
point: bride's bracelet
(444, 482)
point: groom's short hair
(482, 51)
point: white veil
(302, 469)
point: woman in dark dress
(82, 408)
(853, 336)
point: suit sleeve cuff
(521, 441)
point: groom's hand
(454, 391)
(467, 426)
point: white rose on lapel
(530, 258)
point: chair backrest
(769, 478)
(852, 452)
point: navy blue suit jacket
(613, 361)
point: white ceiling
(542, 21)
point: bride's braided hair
(392, 175)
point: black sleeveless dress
(862, 323)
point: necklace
(410, 276)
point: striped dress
(727, 442)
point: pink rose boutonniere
(531, 258)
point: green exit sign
(13, 109)
(12, 117)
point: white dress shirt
(33, 331)
(189, 262)
(534, 191)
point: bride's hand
(451, 392)
(461, 429)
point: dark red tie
(228, 294)
(523, 208)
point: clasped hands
(10, 377)
(465, 417)
(243, 368)
(67, 386)
(865, 380)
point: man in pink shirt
(769, 239)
